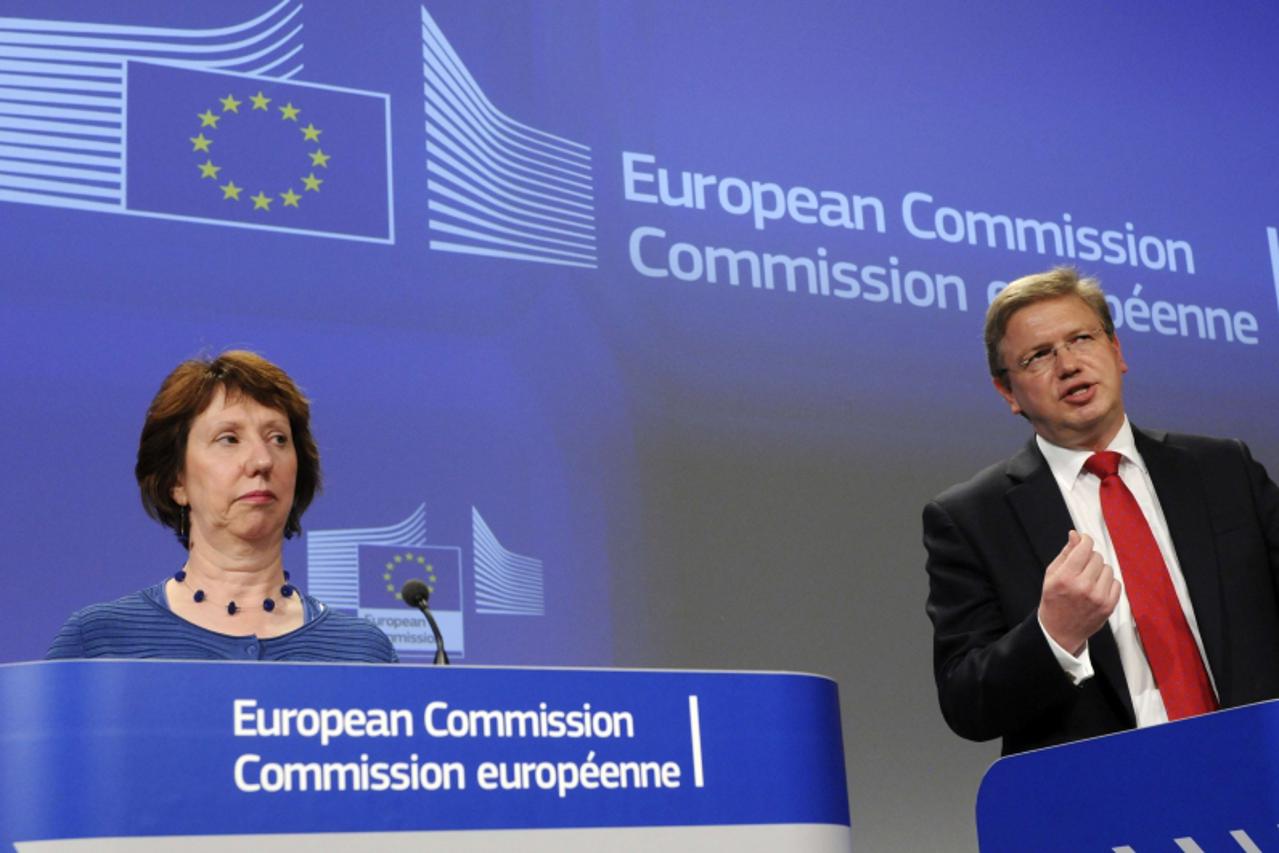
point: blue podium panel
(1203, 784)
(381, 757)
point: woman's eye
(227, 439)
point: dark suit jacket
(990, 539)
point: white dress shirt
(1081, 491)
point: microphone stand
(416, 594)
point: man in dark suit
(1069, 599)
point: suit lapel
(1176, 478)
(1037, 502)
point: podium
(161, 755)
(1207, 783)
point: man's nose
(1067, 362)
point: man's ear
(1119, 353)
(1004, 387)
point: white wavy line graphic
(63, 81)
(441, 44)
(446, 99)
(512, 186)
(333, 556)
(466, 217)
(442, 190)
(37, 25)
(505, 582)
(499, 169)
(460, 176)
(462, 249)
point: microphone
(416, 594)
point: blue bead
(199, 596)
(268, 605)
(286, 590)
(180, 576)
(286, 574)
(231, 608)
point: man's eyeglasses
(1040, 361)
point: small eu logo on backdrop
(255, 152)
(383, 571)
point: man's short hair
(1027, 290)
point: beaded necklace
(268, 604)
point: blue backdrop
(536, 263)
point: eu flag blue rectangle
(257, 152)
(385, 568)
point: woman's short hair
(1060, 281)
(188, 391)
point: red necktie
(1170, 647)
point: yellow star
(261, 201)
(311, 133)
(260, 100)
(312, 182)
(319, 158)
(230, 104)
(201, 142)
(208, 170)
(290, 197)
(208, 119)
(230, 191)
(289, 112)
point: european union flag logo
(254, 152)
(385, 568)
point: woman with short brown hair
(228, 462)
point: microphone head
(415, 593)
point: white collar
(1067, 463)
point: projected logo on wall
(499, 187)
(504, 189)
(383, 570)
(199, 125)
(363, 569)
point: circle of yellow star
(261, 201)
